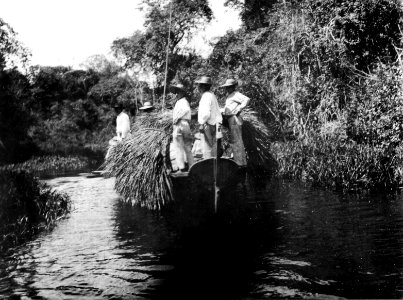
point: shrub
(47, 164)
(26, 207)
(344, 165)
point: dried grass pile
(257, 137)
(141, 163)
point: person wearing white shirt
(235, 102)
(182, 135)
(122, 127)
(209, 118)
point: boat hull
(201, 189)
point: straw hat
(204, 80)
(229, 82)
(118, 105)
(146, 105)
(178, 86)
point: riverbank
(54, 164)
(341, 164)
(27, 206)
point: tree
(15, 145)
(12, 52)
(304, 66)
(253, 12)
(148, 48)
(369, 29)
(77, 83)
(47, 87)
(107, 90)
(14, 91)
(100, 64)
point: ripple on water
(299, 243)
(83, 257)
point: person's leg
(187, 139)
(178, 145)
(209, 141)
(237, 145)
(180, 151)
(206, 147)
(212, 134)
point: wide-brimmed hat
(204, 80)
(229, 82)
(178, 86)
(146, 105)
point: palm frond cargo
(142, 163)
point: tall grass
(257, 137)
(52, 163)
(343, 165)
(26, 207)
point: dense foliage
(321, 73)
(49, 165)
(12, 51)
(26, 207)
(58, 110)
(342, 165)
(148, 49)
(329, 74)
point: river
(287, 241)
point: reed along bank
(27, 206)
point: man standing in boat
(122, 122)
(122, 127)
(209, 117)
(235, 102)
(182, 135)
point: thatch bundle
(257, 137)
(141, 163)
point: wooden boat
(211, 172)
(206, 177)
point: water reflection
(283, 241)
(349, 246)
(82, 257)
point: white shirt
(122, 125)
(181, 110)
(235, 103)
(209, 111)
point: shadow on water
(286, 240)
(213, 254)
(283, 240)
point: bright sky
(67, 32)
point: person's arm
(118, 126)
(243, 102)
(204, 109)
(126, 126)
(181, 109)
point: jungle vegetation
(326, 75)
(27, 206)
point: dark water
(285, 241)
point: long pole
(167, 55)
(215, 170)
